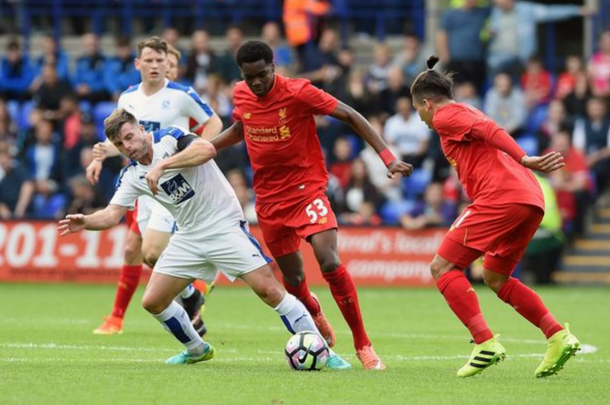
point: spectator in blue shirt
(431, 211)
(16, 73)
(52, 54)
(459, 42)
(120, 72)
(89, 80)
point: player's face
(172, 67)
(131, 141)
(258, 76)
(424, 109)
(152, 65)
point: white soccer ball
(307, 351)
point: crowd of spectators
(51, 110)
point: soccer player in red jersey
(507, 208)
(275, 117)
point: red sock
(344, 292)
(529, 305)
(128, 282)
(304, 295)
(463, 301)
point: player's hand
(546, 164)
(72, 224)
(93, 171)
(152, 178)
(99, 151)
(398, 166)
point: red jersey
(281, 139)
(489, 175)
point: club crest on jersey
(178, 189)
(247, 116)
(165, 104)
(282, 113)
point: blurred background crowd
(58, 81)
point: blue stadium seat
(85, 106)
(415, 185)
(101, 111)
(529, 144)
(13, 109)
(24, 114)
(536, 118)
(392, 211)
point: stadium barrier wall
(32, 251)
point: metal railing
(377, 18)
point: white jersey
(173, 105)
(200, 198)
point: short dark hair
(253, 51)
(431, 84)
(113, 124)
(156, 43)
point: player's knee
(329, 262)
(493, 280)
(150, 258)
(436, 269)
(152, 305)
(271, 294)
(133, 253)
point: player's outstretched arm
(104, 219)
(353, 118)
(196, 153)
(212, 128)
(546, 164)
(230, 136)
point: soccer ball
(307, 351)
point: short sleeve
(313, 101)
(195, 108)
(453, 124)
(126, 193)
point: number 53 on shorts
(317, 211)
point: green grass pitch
(48, 354)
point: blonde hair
(113, 124)
(171, 50)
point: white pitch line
(586, 349)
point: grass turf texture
(48, 354)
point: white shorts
(161, 219)
(152, 215)
(234, 252)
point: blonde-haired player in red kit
(275, 117)
(506, 211)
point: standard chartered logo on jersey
(268, 134)
(178, 189)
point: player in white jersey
(157, 102)
(178, 171)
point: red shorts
(500, 232)
(285, 223)
(131, 220)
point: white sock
(295, 316)
(187, 292)
(175, 320)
